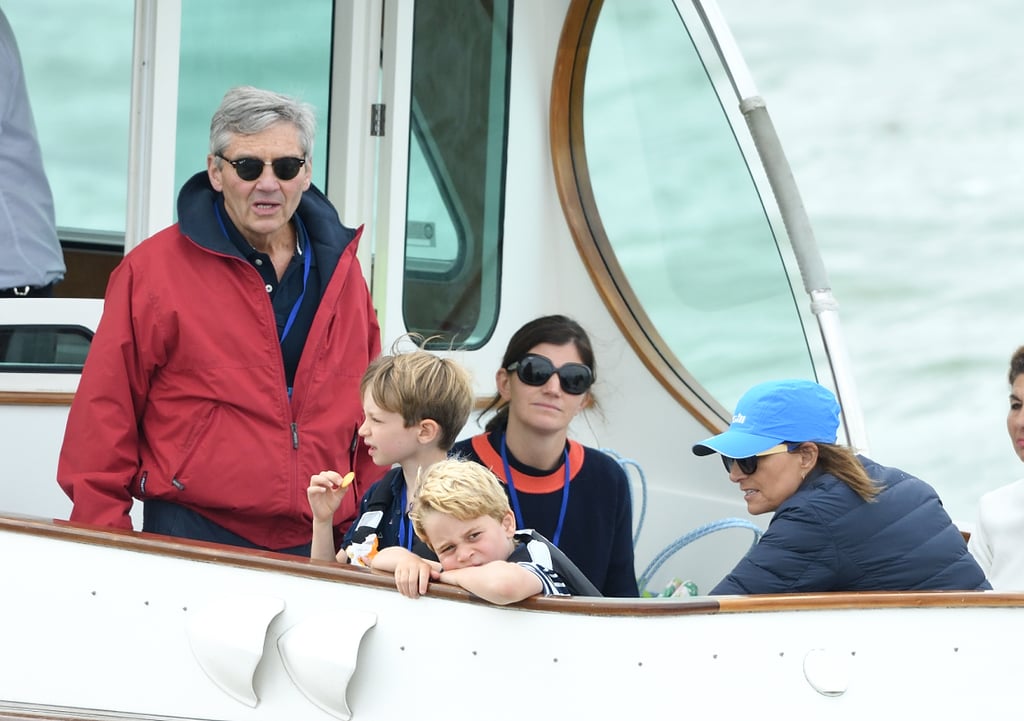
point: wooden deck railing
(293, 566)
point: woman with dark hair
(996, 540)
(578, 497)
(841, 521)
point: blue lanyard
(405, 533)
(299, 232)
(305, 277)
(515, 496)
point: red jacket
(183, 396)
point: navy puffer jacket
(827, 538)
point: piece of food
(347, 480)
(361, 554)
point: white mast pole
(794, 216)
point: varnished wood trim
(481, 402)
(35, 398)
(53, 714)
(294, 566)
(874, 599)
(191, 550)
(37, 712)
(572, 178)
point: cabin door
(436, 220)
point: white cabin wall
(31, 434)
(542, 273)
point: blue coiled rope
(626, 464)
(690, 537)
(659, 560)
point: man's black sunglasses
(535, 370)
(252, 168)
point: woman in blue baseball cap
(842, 522)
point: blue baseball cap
(774, 412)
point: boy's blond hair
(463, 489)
(419, 385)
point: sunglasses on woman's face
(252, 168)
(749, 464)
(535, 370)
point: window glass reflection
(43, 348)
(456, 169)
(680, 207)
(285, 47)
(78, 67)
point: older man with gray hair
(225, 370)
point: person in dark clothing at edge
(842, 522)
(225, 369)
(578, 497)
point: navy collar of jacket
(197, 220)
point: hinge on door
(377, 119)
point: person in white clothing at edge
(998, 538)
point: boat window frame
(56, 330)
(463, 288)
(577, 194)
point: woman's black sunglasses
(252, 168)
(535, 370)
(749, 464)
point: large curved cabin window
(680, 210)
(457, 134)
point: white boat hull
(119, 626)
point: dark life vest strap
(381, 498)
